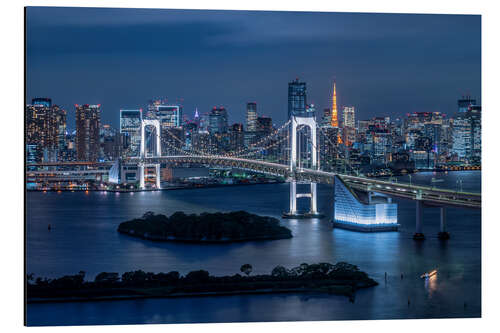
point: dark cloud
(384, 64)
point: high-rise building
(196, 118)
(42, 101)
(348, 117)
(467, 131)
(297, 100)
(130, 131)
(45, 127)
(334, 116)
(348, 125)
(326, 119)
(88, 119)
(251, 117)
(474, 114)
(169, 115)
(218, 121)
(264, 125)
(236, 137)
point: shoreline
(347, 290)
(208, 241)
(154, 190)
(41, 300)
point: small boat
(428, 274)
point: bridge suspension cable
(346, 160)
(260, 142)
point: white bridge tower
(294, 168)
(157, 153)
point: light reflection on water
(84, 237)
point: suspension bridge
(296, 157)
(297, 139)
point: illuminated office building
(217, 120)
(45, 126)
(297, 99)
(130, 131)
(169, 115)
(88, 119)
(251, 117)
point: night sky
(383, 64)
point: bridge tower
(157, 153)
(310, 122)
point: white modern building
(375, 212)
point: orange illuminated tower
(335, 121)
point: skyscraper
(297, 99)
(169, 115)
(130, 126)
(88, 119)
(45, 127)
(251, 117)
(348, 117)
(264, 125)
(218, 121)
(334, 115)
(348, 124)
(326, 119)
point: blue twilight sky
(383, 64)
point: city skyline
(127, 76)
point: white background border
(11, 161)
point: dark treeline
(206, 227)
(341, 278)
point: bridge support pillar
(314, 205)
(293, 198)
(158, 185)
(141, 176)
(443, 234)
(419, 213)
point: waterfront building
(110, 143)
(218, 120)
(467, 135)
(130, 131)
(88, 118)
(369, 213)
(297, 99)
(423, 159)
(45, 127)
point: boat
(428, 274)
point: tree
(148, 215)
(279, 271)
(246, 268)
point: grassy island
(205, 228)
(339, 279)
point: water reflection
(95, 246)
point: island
(205, 228)
(339, 279)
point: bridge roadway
(430, 196)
